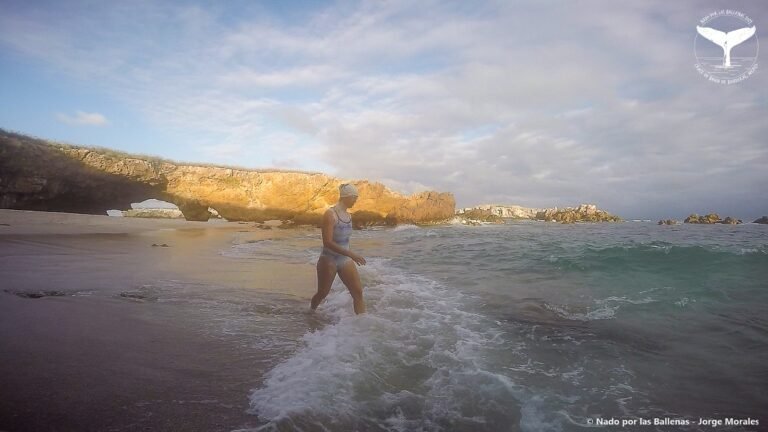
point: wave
(294, 250)
(414, 362)
(404, 227)
(604, 308)
(656, 255)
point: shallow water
(524, 326)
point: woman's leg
(350, 277)
(326, 273)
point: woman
(336, 256)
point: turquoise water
(531, 326)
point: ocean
(525, 326)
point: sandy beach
(96, 334)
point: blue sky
(541, 104)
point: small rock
(37, 294)
(143, 293)
(762, 220)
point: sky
(533, 103)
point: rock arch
(38, 175)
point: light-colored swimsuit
(342, 230)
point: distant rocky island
(50, 176)
(711, 218)
(496, 213)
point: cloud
(525, 104)
(298, 77)
(83, 119)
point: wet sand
(78, 354)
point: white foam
(415, 349)
(404, 227)
(605, 308)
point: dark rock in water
(37, 294)
(159, 245)
(143, 293)
(730, 221)
(133, 295)
(762, 220)
(668, 222)
(5, 224)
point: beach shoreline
(87, 345)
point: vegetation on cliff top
(154, 160)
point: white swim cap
(346, 190)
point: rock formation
(712, 218)
(668, 222)
(582, 213)
(38, 175)
(478, 215)
(154, 213)
(510, 212)
(696, 219)
(762, 220)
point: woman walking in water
(336, 256)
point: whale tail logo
(726, 40)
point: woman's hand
(357, 258)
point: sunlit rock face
(39, 175)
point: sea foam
(414, 361)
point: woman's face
(349, 201)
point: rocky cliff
(39, 175)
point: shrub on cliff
(365, 219)
(313, 219)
